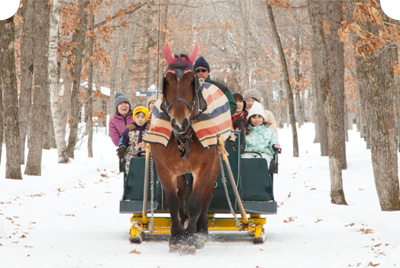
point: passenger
(240, 107)
(132, 139)
(122, 117)
(260, 137)
(239, 124)
(150, 105)
(203, 71)
(251, 96)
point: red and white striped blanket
(215, 120)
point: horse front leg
(181, 183)
(174, 205)
(197, 205)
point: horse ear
(168, 55)
(193, 55)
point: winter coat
(269, 117)
(261, 139)
(228, 94)
(243, 115)
(132, 136)
(117, 125)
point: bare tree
(1, 102)
(27, 66)
(89, 95)
(375, 76)
(297, 76)
(41, 47)
(79, 38)
(333, 13)
(10, 102)
(328, 100)
(321, 129)
(286, 80)
(58, 122)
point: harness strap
(190, 106)
(184, 143)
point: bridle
(183, 140)
(179, 73)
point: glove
(277, 148)
(121, 151)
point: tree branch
(138, 6)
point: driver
(203, 71)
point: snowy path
(69, 217)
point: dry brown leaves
(290, 219)
(135, 252)
(279, 3)
(373, 265)
(368, 11)
(366, 231)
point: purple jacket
(117, 126)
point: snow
(69, 217)
(103, 90)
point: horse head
(180, 90)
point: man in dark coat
(203, 71)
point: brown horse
(185, 154)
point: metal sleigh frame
(254, 224)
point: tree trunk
(46, 126)
(161, 43)
(317, 47)
(299, 106)
(113, 85)
(375, 76)
(54, 78)
(89, 94)
(66, 103)
(333, 13)
(10, 102)
(329, 102)
(25, 97)
(79, 38)
(40, 101)
(1, 100)
(285, 79)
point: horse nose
(180, 128)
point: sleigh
(250, 196)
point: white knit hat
(257, 108)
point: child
(131, 141)
(239, 124)
(259, 137)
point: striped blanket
(215, 120)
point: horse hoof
(174, 248)
(200, 243)
(187, 250)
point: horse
(181, 101)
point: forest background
(334, 61)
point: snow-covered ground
(69, 217)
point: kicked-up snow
(69, 217)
